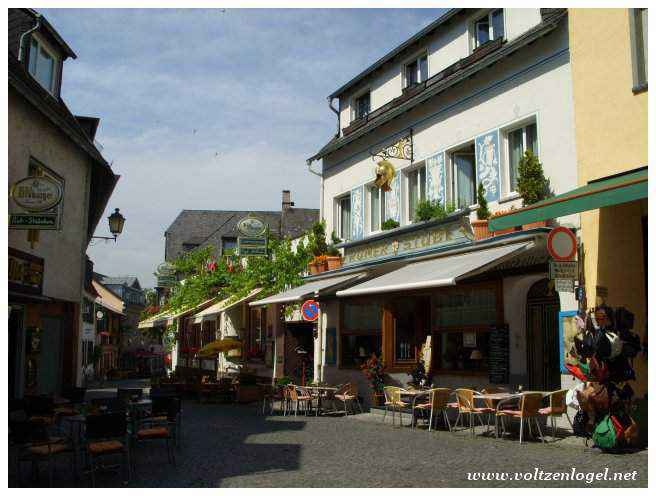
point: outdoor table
(320, 392)
(415, 394)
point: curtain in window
(45, 68)
(483, 31)
(497, 23)
(375, 209)
(345, 223)
(515, 152)
(532, 138)
(411, 73)
(423, 68)
(465, 179)
(413, 196)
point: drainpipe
(330, 105)
(21, 42)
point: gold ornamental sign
(36, 193)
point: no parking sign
(310, 311)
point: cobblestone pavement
(228, 445)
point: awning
(309, 289)
(211, 312)
(154, 321)
(168, 319)
(443, 271)
(603, 193)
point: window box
(333, 263)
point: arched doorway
(543, 350)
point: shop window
(416, 190)
(519, 140)
(376, 209)
(488, 28)
(360, 334)
(362, 105)
(463, 350)
(638, 24)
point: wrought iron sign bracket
(402, 149)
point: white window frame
(370, 187)
(488, 14)
(43, 45)
(338, 216)
(354, 99)
(452, 177)
(406, 188)
(416, 58)
(523, 124)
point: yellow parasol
(212, 349)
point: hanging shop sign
(415, 241)
(563, 270)
(310, 311)
(564, 285)
(251, 227)
(252, 247)
(25, 272)
(36, 193)
(165, 275)
(561, 244)
(252, 240)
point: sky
(212, 109)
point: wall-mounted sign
(563, 270)
(33, 221)
(561, 244)
(252, 247)
(165, 275)
(25, 272)
(251, 227)
(452, 233)
(564, 285)
(36, 193)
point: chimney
(286, 200)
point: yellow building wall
(611, 138)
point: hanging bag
(604, 435)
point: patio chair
(270, 396)
(166, 410)
(437, 403)
(348, 394)
(298, 399)
(393, 401)
(467, 406)
(107, 434)
(529, 409)
(162, 427)
(32, 443)
(557, 407)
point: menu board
(499, 358)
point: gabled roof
(130, 281)
(108, 299)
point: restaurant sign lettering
(442, 235)
(25, 272)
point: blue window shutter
(436, 178)
(357, 213)
(488, 164)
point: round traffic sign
(310, 310)
(561, 244)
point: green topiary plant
(318, 245)
(531, 183)
(482, 212)
(389, 224)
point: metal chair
(438, 400)
(348, 394)
(467, 406)
(107, 434)
(163, 425)
(529, 409)
(557, 407)
(393, 401)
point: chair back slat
(557, 401)
(530, 404)
(440, 398)
(465, 398)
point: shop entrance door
(543, 359)
(50, 357)
(299, 352)
(15, 350)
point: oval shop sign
(36, 194)
(251, 227)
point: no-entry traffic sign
(310, 310)
(561, 244)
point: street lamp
(116, 222)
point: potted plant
(532, 185)
(483, 214)
(318, 247)
(333, 256)
(374, 370)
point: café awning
(211, 312)
(168, 319)
(310, 289)
(598, 194)
(436, 272)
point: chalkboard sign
(499, 359)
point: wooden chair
(348, 394)
(437, 403)
(393, 401)
(529, 409)
(467, 406)
(557, 407)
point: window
(416, 71)
(87, 311)
(361, 333)
(520, 140)
(228, 246)
(638, 30)
(464, 179)
(377, 208)
(488, 28)
(362, 105)
(416, 190)
(42, 65)
(344, 217)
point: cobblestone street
(228, 445)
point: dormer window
(43, 65)
(488, 28)
(416, 71)
(362, 105)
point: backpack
(604, 435)
(616, 344)
(580, 423)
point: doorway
(49, 372)
(299, 352)
(543, 350)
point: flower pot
(535, 225)
(333, 263)
(314, 268)
(480, 229)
